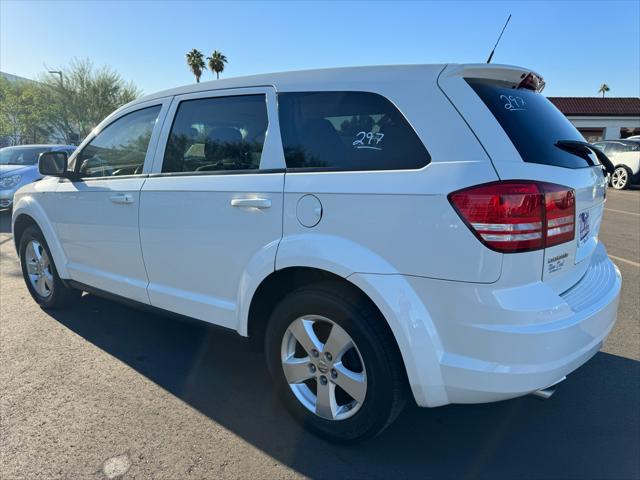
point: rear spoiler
(516, 77)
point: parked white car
(384, 232)
(625, 156)
(19, 166)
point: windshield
(20, 155)
(532, 122)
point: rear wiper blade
(584, 150)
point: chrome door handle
(251, 202)
(123, 198)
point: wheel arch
(28, 212)
(20, 224)
(275, 286)
(297, 260)
(404, 316)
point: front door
(97, 216)
(211, 213)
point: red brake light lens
(560, 210)
(532, 82)
(518, 216)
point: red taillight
(560, 212)
(518, 216)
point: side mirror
(53, 163)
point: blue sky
(576, 45)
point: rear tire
(621, 178)
(362, 357)
(40, 274)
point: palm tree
(195, 60)
(216, 62)
(604, 88)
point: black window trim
(216, 173)
(344, 169)
(76, 169)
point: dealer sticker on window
(584, 228)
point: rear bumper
(474, 343)
(484, 360)
(563, 347)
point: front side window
(121, 147)
(216, 134)
(602, 146)
(347, 131)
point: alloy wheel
(39, 268)
(619, 178)
(323, 367)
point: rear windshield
(532, 123)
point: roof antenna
(498, 41)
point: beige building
(602, 118)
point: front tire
(40, 274)
(621, 178)
(335, 363)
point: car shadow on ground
(589, 429)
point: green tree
(216, 62)
(82, 97)
(604, 88)
(61, 107)
(195, 61)
(23, 113)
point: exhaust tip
(545, 393)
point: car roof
(295, 80)
(371, 78)
(41, 145)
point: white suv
(425, 231)
(625, 157)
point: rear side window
(347, 131)
(614, 148)
(215, 134)
(532, 123)
(630, 146)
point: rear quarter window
(347, 131)
(532, 123)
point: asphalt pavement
(105, 391)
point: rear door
(211, 212)
(520, 129)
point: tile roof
(598, 106)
